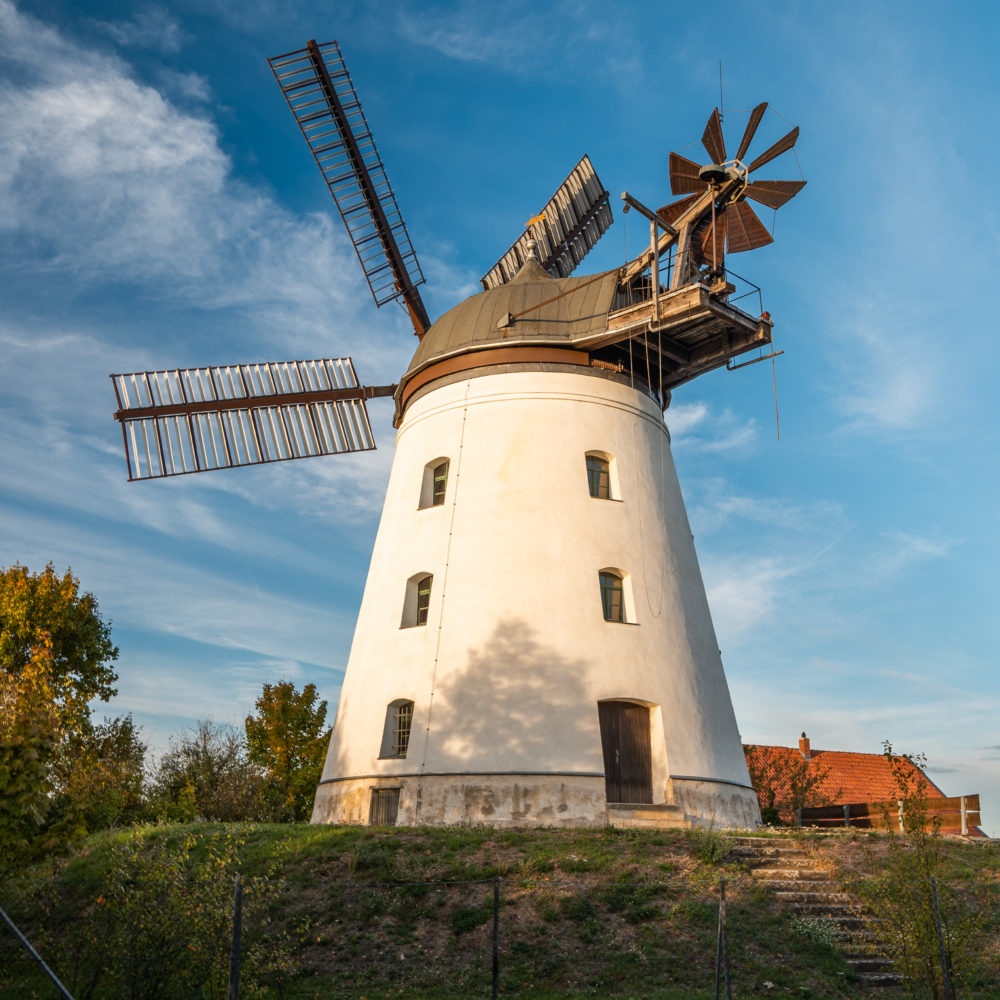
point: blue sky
(158, 209)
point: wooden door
(628, 766)
(384, 807)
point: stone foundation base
(718, 804)
(525, 800)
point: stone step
(757, 841)
(643, 814)
(869, 964)
(837, 899)
(879, 979)
(791, 875)
(782, 861)
(796, 884)
(769, 852)
(844, 922)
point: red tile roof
(849, 776)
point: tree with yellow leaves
(56, 656)
(288, 739)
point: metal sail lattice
(575, 218)
(185, 420)
(319, 92)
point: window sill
(392, 756)
(611, 621)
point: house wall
(507, 672)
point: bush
(158, 924)
(710, 846)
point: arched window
(396, 732)
(435, 483)
(616, 595)
(423, 598)
(439, 482)
(612, 597)
(602, 477)
(417, 601)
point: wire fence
(273, 938)
(176, 939)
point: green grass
(584, 913)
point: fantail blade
(744, 230)
(751, 129)
(712, 139)
(774, 194)
(781, 146)
(684, 175)
(672, 212)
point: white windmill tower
(534, 645)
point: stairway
(811, 891)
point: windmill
(534, 644)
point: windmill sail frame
(576, 216)
(182, 420)
(321, 96)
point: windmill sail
(319, 91)
(576, 217)
(194, 419)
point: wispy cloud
(104, 180)
(718, 504)
(902, 551)
(151, 27)
(890, 375)
(744, 594)
(520, 42)
(699, 428)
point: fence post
(965, 818)
(948, 995)
(847, 815)
(234, 952)
(899, 802)
(65, 993)
(496, 937)
(721, 948)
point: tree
(206, 775)
(56, 655)
(785, 783)
(44, 610)
(32, 730)
(902, 889)
(104, 780)
(288, 740)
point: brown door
(628, 768)
(384, 807)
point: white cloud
(151, 27)
(744, 593)
(103, 179)
(890, 378)
(521, 41)
(718, 505)
(193, 86)
(472, 33)
(682, 417)
(697, 427)
(901, 552)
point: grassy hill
(346, 912)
